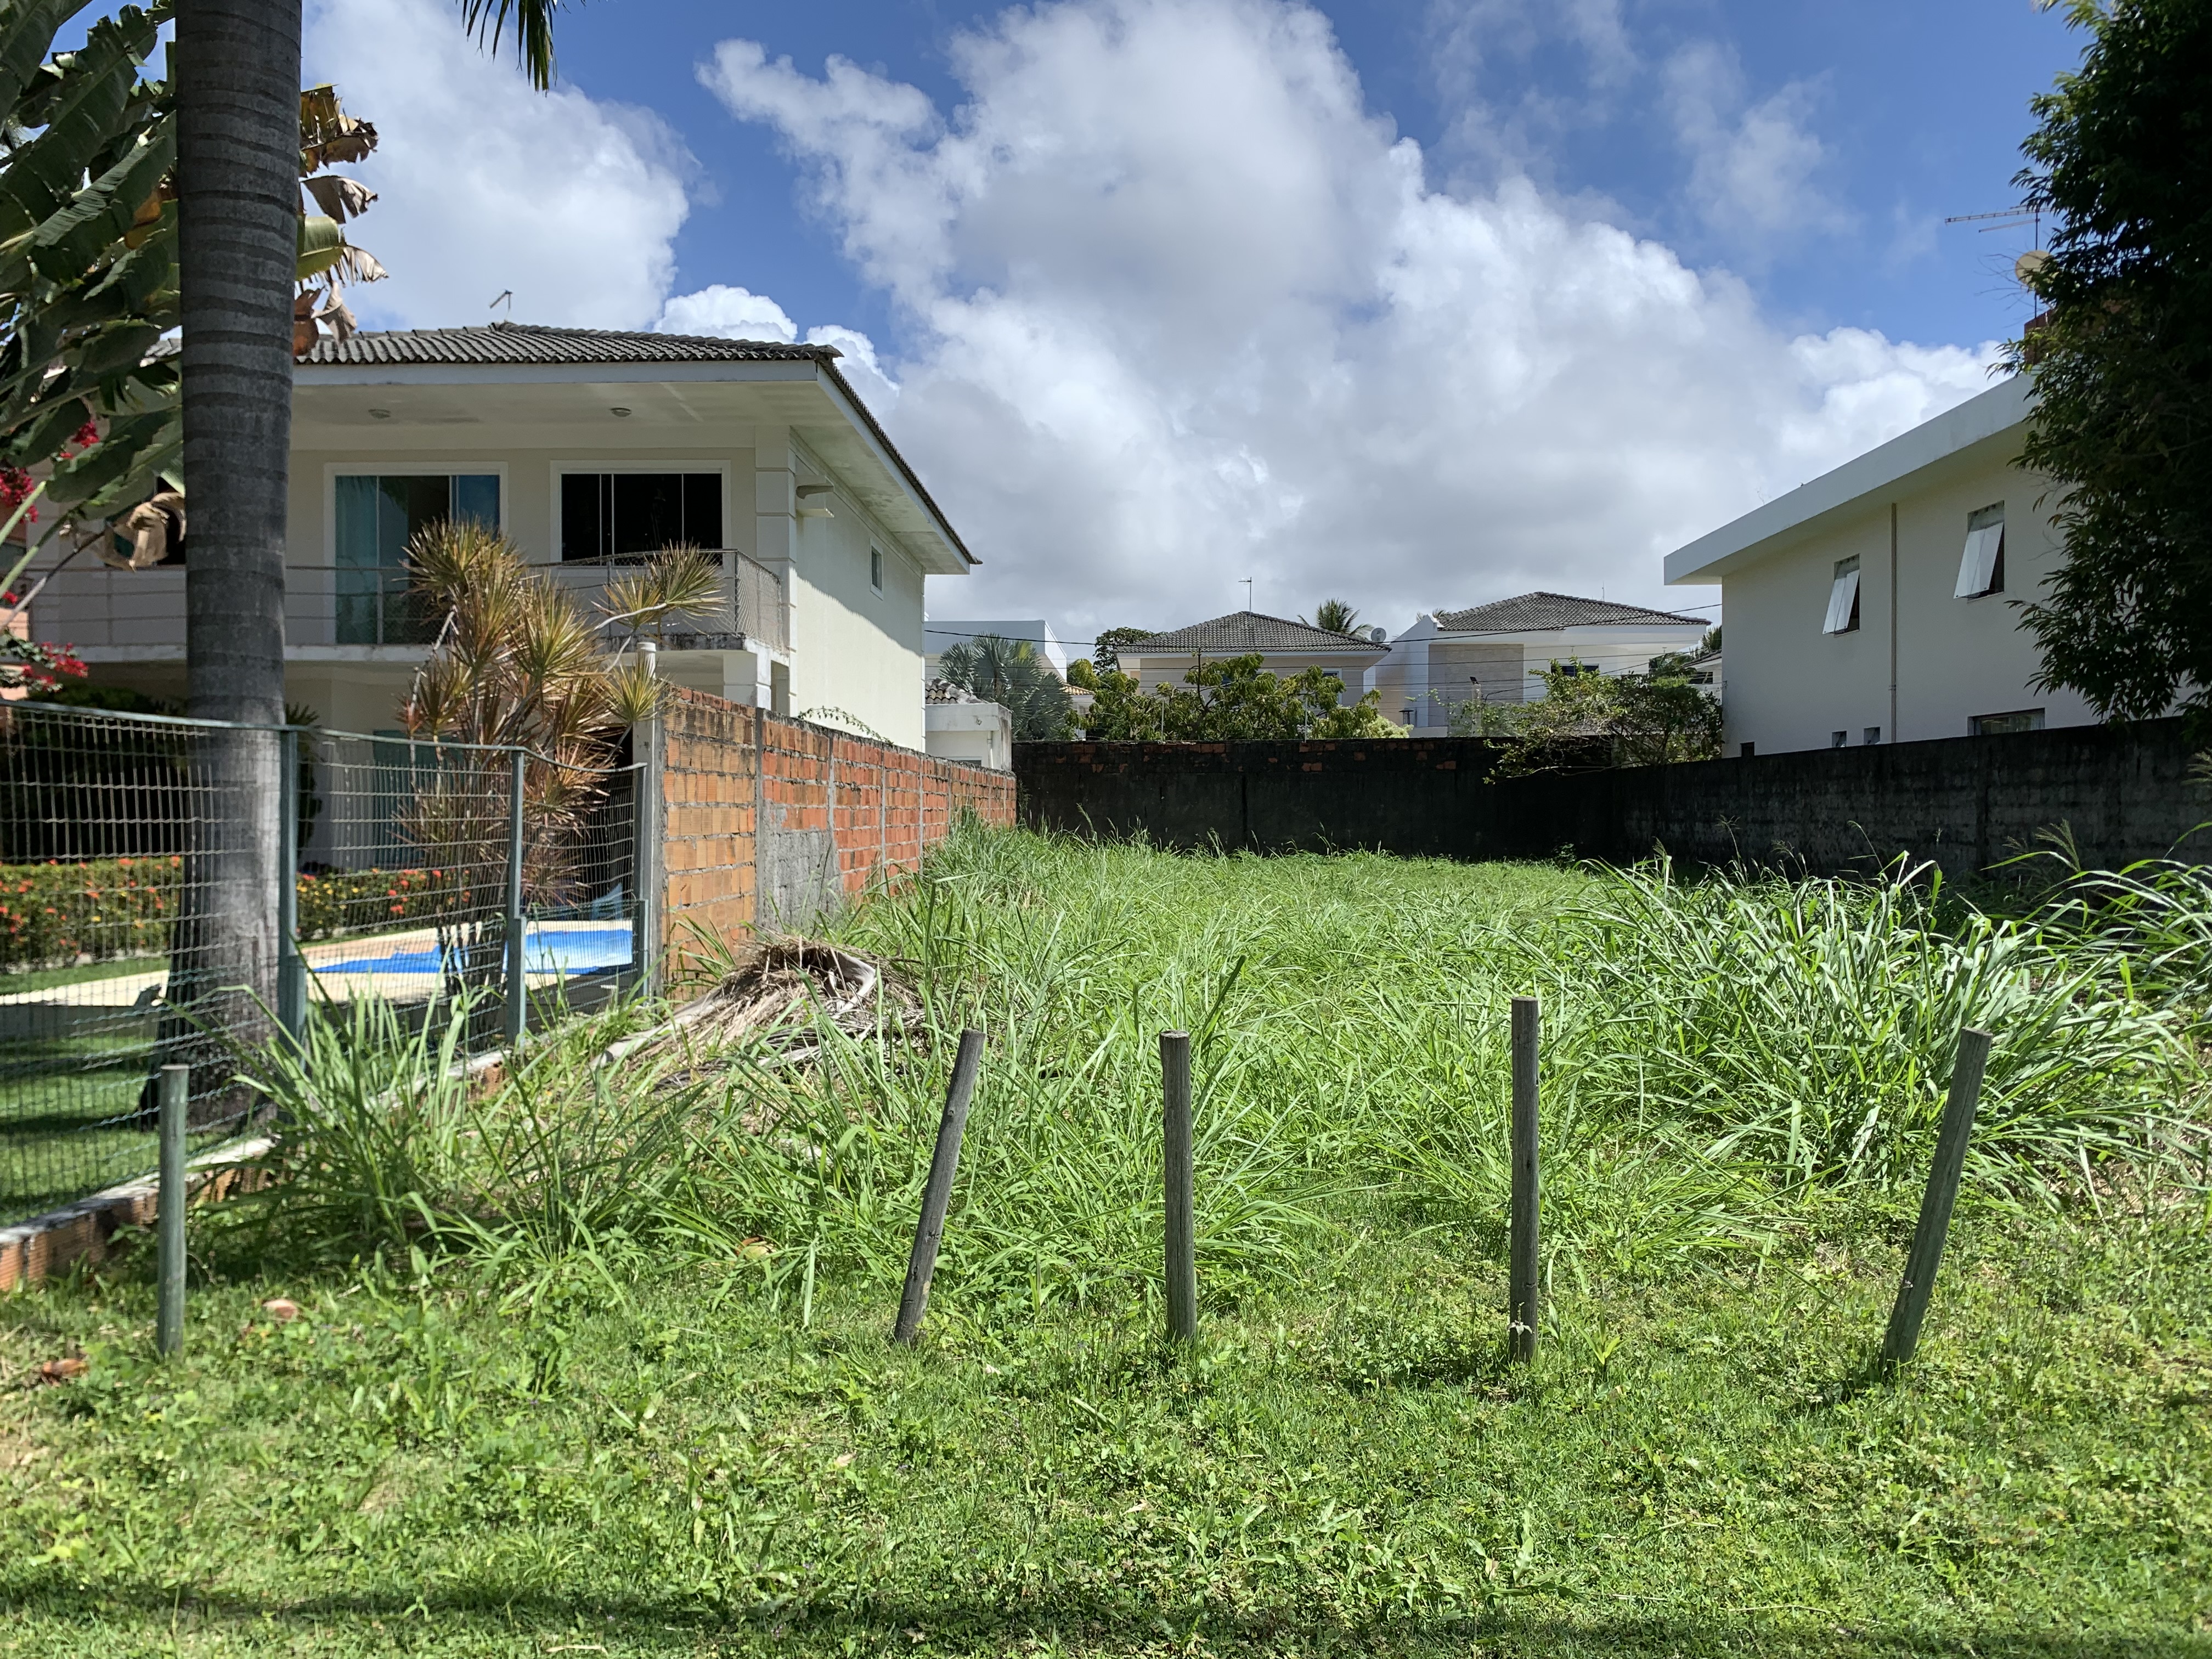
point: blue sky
(1413, 305)
(1919, 106)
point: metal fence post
(291, 966)
(1928, 1234)
(1181, 1226)
(645, 834)
(1521, 1295)
(516, 1009)
(169, 1218)
(929, 1232)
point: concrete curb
(46, 1245)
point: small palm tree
(517, 662)
(1335, 616)
(1012, 674)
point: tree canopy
(1231, 699)
(1585, 719)
(2122, 357)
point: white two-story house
(1494, 653)
(591, 450)
(1881, 602)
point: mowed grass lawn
(631, 1392)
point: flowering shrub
(344, 900)
(53, 915)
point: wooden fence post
(1181, 1240)
(1523, 1295)
(1926, 1255)
(930, 1231)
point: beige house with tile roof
(590, 449)
(1286, 648)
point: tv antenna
(1246, 580)
(506, 299)
(2005, 219)
(2025, 267)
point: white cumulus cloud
(488, 185)
(1182, 310)
(728, 313)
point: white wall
(855, 649)
(1790, 686)
(852, 649)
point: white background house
(1494, 651)
(588, 448)
(1879, 602)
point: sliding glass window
(378, 515)
(618, 514)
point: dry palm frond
(340, 198)
(779, 983)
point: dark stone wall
(1963, 803)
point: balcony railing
(96, 609)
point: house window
(1981, 566)
(1837, 739)
(1844, 598)
(1748, 750)
(378, 514)
(1992, 726)
(876, 568)
(614, 514)
(1873, 734)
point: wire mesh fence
(141, 923)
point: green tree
(1586, 720)
(1012, 674)
(1082, 675)
(1105, 650)
(2122, 357)
(1233, 699)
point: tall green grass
(1729, 1064)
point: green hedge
(53, 915)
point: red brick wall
(884, 806)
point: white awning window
(1844, 598)
(1981, 566)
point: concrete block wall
(1964, 803)
(767, 822)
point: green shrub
(347, 900)
(52, 915)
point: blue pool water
(578, 951)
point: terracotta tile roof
(1242, 631)
(1536, 611)
(533, 343)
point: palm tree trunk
(238, 118)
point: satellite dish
(2025, 267)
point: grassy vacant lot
(599, 1364)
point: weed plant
(1726, 1063)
